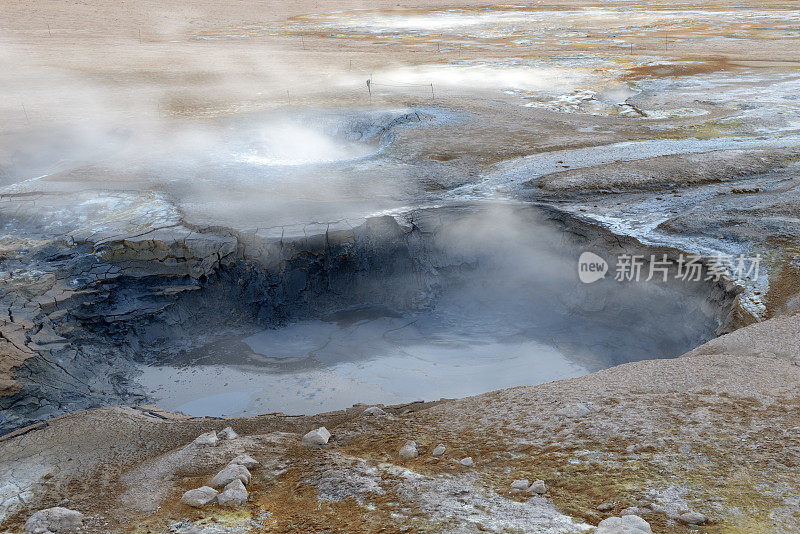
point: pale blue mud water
(493, 327)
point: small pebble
(228, 433)
(520, 485)
(234, 494)
(538, 487)
(209, 439)
(230, 473)
(409, 450)
(197, 498)
(245, 460)
(319, 436)
(629, 524)
(692, 518)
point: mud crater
(441, 302)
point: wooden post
(48, 30)
(27, 119)
(433, 96)
(369, 87)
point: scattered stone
(199, 497)
(245, 460)
(631, 510)
(230, 473)
(234, 494)
(439, 450)
(575, 411)
(605, 507)
(319, 436)
(467, 462)
(692, 518)
(538, 487)
(209, 439)
(374, 411)
(520, 485)
(629, 524)
(56, 520)
(409, 450)
(228, 433)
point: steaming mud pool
(509, 315)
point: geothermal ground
(369, 217)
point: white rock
(537, 487)
(574, 411)
(520, 485)
(245, 460)
(228, 433)
(629, 524)
(409, 450)
(439, 450)
(319, 436)
(199, 497)
(230, 473)
(374, 411)
(631, 510)
(209, 439)
(692, 518)
(234, 494)
(467, 462)
(56, 520)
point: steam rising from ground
(513, 312)
(289, 143)
(159, 107)
(71, 131)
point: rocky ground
(711, 433)
(136, 210)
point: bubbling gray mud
(495, 303)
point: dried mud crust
(714, 431)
